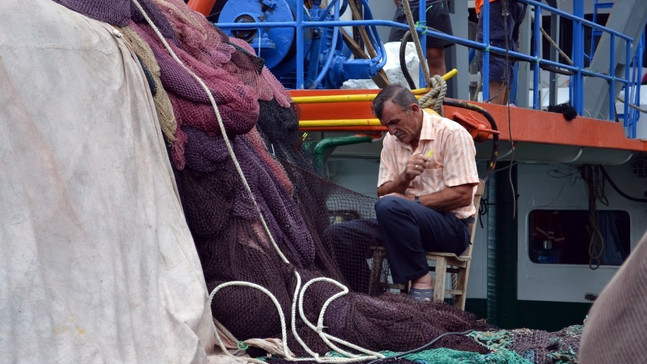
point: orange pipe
(202, 6)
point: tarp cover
(97, 262)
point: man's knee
(388, 205)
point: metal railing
(536, 61)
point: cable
(403, 61)
(506, 75)
(422, 347)
(495, 137)
(621, 193)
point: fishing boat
(565, 196)
(157, 205)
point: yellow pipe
(358, 97)
(339, 122)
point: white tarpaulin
(98, 264)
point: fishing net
(287, 225)
(296, 203)
(535, 346)
(518, 346)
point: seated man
(426, 184)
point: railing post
(629, 119)
(612, 73)
(300, 51)
(577, 83)
(485, 59)
(422, 17)
(536, 103)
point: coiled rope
(300, 292)
(594, 179)
(436, 95)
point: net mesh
(322, 229)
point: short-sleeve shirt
(452, 163)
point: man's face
(403, 124)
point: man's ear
(414, 107)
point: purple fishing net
(294, 201)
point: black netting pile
(233, 247)
(297, 205)
(316, 228)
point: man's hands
(415, 166)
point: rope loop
(434, 98)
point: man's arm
(450, 198)
(399, 185)
(415, 166)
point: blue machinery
(308, 52)
(304, 48)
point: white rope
(327, 338)
(298, 293)
(274, 301)
(298, 301)
(220, 124)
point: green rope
(241, 346)
(451, 356)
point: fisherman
(505, 18)
(426, 184)
(437, 17)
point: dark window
(568, 237)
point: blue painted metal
(422, 7)
(577, 83)
(630, 116)
(637, 66)
(612, 85)
(485, 68)
(536, 103)
(312, 54)
(597, 33)
(318, 53)
(273, 44)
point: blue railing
(578, 70)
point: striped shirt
(452, 163)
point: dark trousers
(500, 70)
(406, 230)
(351, 241)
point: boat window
(569, 237)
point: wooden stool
(444, 263)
